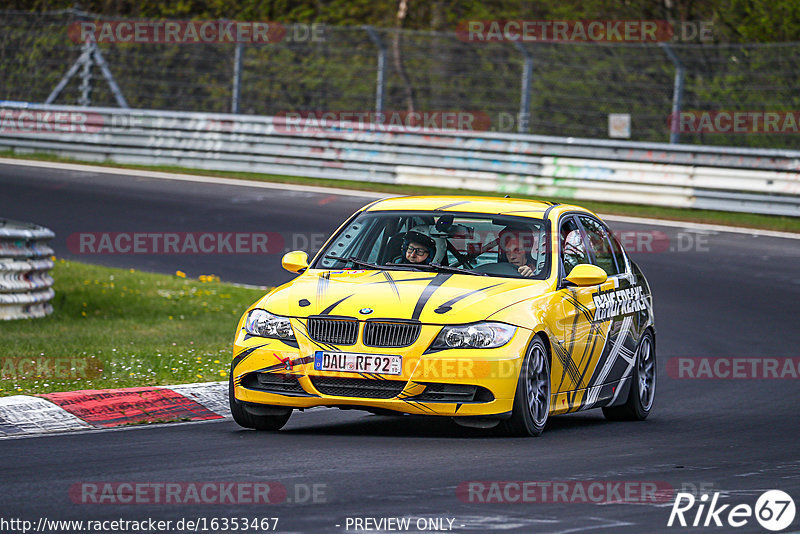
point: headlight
(474, 336)
(264, 324)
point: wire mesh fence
(570, 91)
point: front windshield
(479, 244)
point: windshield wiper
(354, 260)
(432, 267)
(436, 267)
(456, 269)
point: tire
(643, 388)
(532, 398)
(250, 420)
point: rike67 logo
(774, 510)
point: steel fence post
(380, 82)
(86, 76)
(677, 93)
(525, 90)
(236, 91)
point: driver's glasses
(417, 251)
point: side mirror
(587, 275)
(295, 261)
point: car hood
(432, 298)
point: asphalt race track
(716, 295)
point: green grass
(745, 220)
(122, 328)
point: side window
(355, 240)
(573, 252)
(618, 254)
(372, 257)
(601, 244)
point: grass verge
(115, 328)
(745, 220)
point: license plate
(385, 364)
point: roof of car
(469, 204)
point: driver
(512, 243)
(417, 248)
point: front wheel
(643, 388)
(532, 399)
(248, 419)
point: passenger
(512, 244)
(417, 248)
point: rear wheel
(532, 399)
(643, 387)
(249, 419)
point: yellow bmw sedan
(492, 311)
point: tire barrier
(26, 287)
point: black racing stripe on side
(567, 364)
(432, 286)
(562, 357)
(591, 345)
(447, 306)
(244, 354)
(585, 311)
(447, 206)
(330, 308)
(609, 346)
(573, 335)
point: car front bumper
(454, 382)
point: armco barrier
(26, 286)
(689, 176)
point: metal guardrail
(722, 178)
(26, 286)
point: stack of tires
(26, 287)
